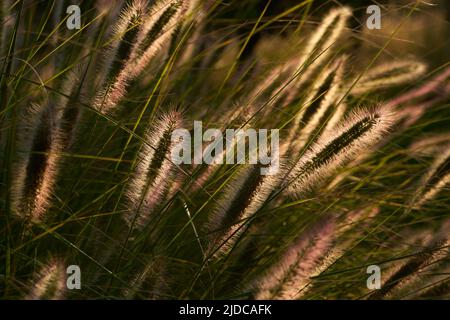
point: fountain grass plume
(435, 179)
(324, 37)
(433, 86)
(118, 55)
(164, 16)
(50, 283)
(316, 249)
(154, 170)
(317, 51)
(388, 75)
(410, 271)
(140, 36)
(37, 167)
(43, 141)
(361, 130)
(243, 197)
(319, 105)
(286, 279)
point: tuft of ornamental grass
(87, 175)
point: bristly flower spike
(435, 180)
(359, 131)
(388, 75)
(51, 282)
(148, 185)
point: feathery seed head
(154, 171)
(289, 276)
(36, 171)
(162, 20)
(51, 282)
(436, 85)
(244, 196)
(408, 272)
(435, 180)
(325, 92)
(327, 33)
(361, 130)
(388, 75)
(318, 49)
(141, 37)
(125, 36)
(119, 54)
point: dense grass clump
(87, 177)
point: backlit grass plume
(431, 88)
(50, 283)
(138, 37)
(435, 180)
(163, 19)
(389, 74)
(312, 253)
(289, 277)
(410, 270)
(44, 141)
(359, 131)
(119, 53)
(37, 169)
(154, 170)
(319, 102)
(316, 51)
(243, 198)
(318, 47)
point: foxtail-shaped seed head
(319, 102)
(435, 180)
(317, 50)
(388, 75)
(360, 131)
(438, 85)
(163, 18)
(289, 276)
(141, 36)
(149, 183)
(35, 172)
(50, 283)
(124, 41)
(319, 46)
(410, 270)
(327, 33)
(244, 196)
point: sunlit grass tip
(161, 22)
(331, 28)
